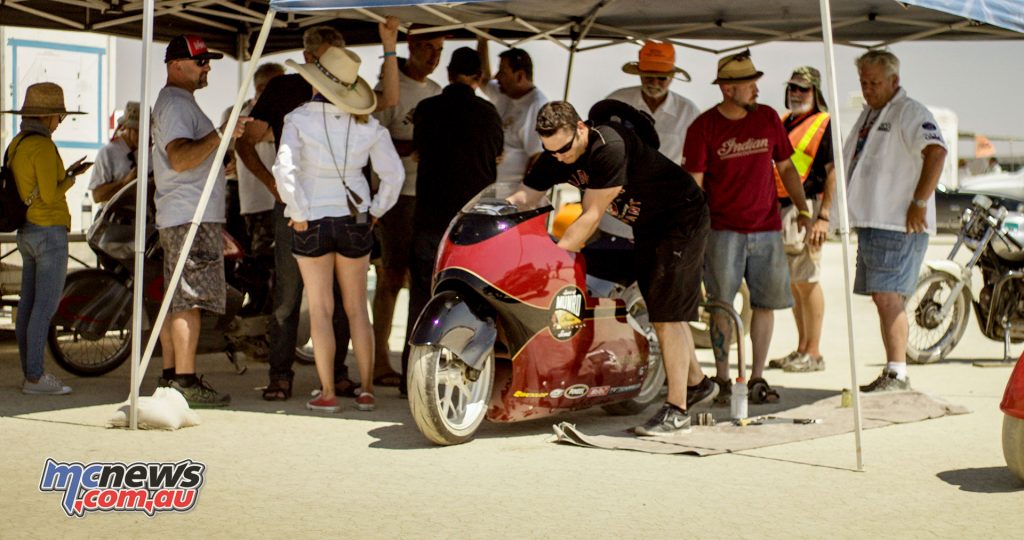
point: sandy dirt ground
(276, 470)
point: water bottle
(738, 401)
(86, 211)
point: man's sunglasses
(201, 62)
(796, 88)
(566, 148)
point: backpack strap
(35, 192)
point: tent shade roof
(221, 22)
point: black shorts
(670, 266)
(340, 235)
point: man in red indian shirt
(729, 151)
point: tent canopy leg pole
(141, 196)
(844, 218)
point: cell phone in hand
(79, 167)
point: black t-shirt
(658, 193)
(815, 183)
(459, 138)
(282, 95)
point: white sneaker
(48, 384)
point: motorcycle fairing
(454, 321)
(519, 274)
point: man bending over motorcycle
(616, 172)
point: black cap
(189, 46)
(465, 61)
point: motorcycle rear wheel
(80, 353)
(445, 403)
(929, 339)
(655, 379)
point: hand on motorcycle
(298, 226)
(916, 219)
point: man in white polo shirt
(672, 113)
(895, 155)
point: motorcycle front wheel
(92, 300)
(447, 398)
(930, 338)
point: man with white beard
(810, 132)
(672, 113)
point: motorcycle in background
(938, 310)
(90, 335)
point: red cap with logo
(189, 47)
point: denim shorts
(327, 235)
(888, 261)
(757, 257)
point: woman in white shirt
(325, 144)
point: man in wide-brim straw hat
(730, 150)
(42, 183)
(672, 113)
(325, 145)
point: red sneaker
(365, 402)
(324, 405)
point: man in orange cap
(672, 113)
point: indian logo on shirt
(732, 149)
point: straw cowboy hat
(737, 68)
(43, 99)
(656, 60)
(336, 76)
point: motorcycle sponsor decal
(598, 391)
(138, 487)
(556, 393)
(624, 389)
(521, 394)
(576, 391)
(566, 313)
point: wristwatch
(920, 203)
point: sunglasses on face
(566, 148)
(201, 62)
(795, 88)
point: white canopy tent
(857, 23)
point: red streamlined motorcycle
(519, 328)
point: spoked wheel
(655, 378)
(702, 329)
(932, 338)
(447, 398)
(91, 333)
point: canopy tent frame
(218, 14)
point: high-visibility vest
(806, 138)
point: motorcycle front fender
(946, 266)
(458, 324)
